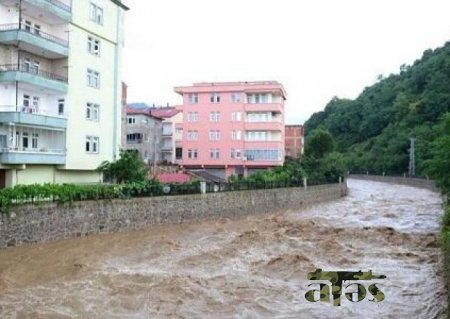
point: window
(235, 153)
(257, 98)
(263, 155)
(93, 78)
(258, 117)
(134, 138)
(192, 153)
(193, 98)
(61, 103)
(28, 26)
(30, 104)
(257, 136)
(235, 135)
(178, 153)
(214, 98)
(93, 45)
(35, 103)
(31, 67)
(35, 69)
(25, 140)
(96, 14)
(214, 116)
(34, 140)
(37, 29)
(192, 135)
(92, 111)
(235, 97)
(214, 153)
(192, 117)
(91, 144)
(236, 116)
(26, 100)
(214, 135)
(131, 120)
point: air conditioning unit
(244, 158)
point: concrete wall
(40, 223)
(416, 182)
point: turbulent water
(254, 267)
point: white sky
(317, 49)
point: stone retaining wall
(416, 182)
(44, 222)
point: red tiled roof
(173, 178)
(164, 112)
(133, 111)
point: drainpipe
(116, 81)
(18, 56)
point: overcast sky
(317, 49)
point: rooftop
(252, 86)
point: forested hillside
(373, 130)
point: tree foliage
(373, 131)
(128, 168)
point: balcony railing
(30, 110)
(25, 68)
(34, 31)
(42, 150)
(60, 4)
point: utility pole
(412, 159)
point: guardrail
(25, 68)
(37, 32)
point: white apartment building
(60, 89)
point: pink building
(232, 128)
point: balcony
(167, 133)
(13, 156)
(34, 41)
(166, 148)
(57, 11)
(264, 126)
(264, 107)
(34, 76)
(30, 116)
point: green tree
(319, 144)
(128, 168)
(439, 164)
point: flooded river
(255, 267)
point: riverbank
(40, 223)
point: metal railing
(25, 68)
(30, 110)
(42, 150)
(31, 30)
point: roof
(164, 112)
(120, 4)
(251, 86)
(207, 176)
(146, 112)
(173, 177)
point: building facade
(232, 128)
(60, 93)
(143, 134)
(294, 140)
(171, 117)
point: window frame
(92, 144)
(92, 108)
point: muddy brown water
(254, 267)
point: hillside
(373, 130)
